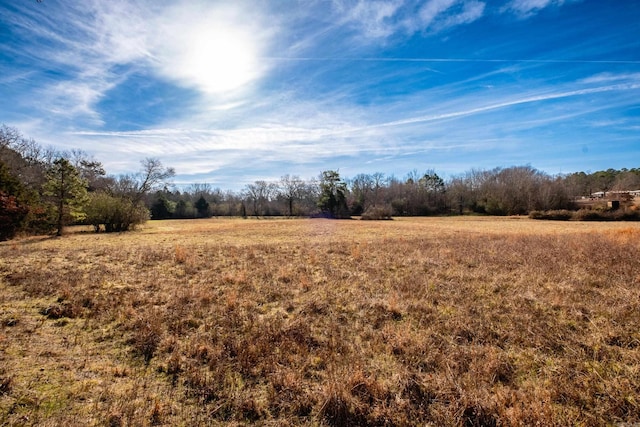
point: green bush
(114, 214)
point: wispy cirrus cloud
(385, 18)
(374, 18)
(527, 8)
(554, 95)
(439, 15)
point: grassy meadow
(465, 321)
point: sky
(230, 92)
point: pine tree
(202, 206)
(333, 200)
(68, 191)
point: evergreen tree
(202, 206)
(333, 191)
(68, 191)
(162, 208)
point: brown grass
(443, 321)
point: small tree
(68, 192)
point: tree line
(516, 190)
(42, 190)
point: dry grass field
(435, 321)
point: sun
(215, 52)
(219, 59)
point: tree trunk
(61, 207)
(60, 218)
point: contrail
(527, 100)
(374, 59)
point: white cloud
(72, 99)
(432, 9)
(382, 19)
(440, 15)
(374, 17)
(526, 8)
(471, 11)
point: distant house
(615, 194)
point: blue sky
(229, 92)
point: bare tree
(153, 174)
(90, 170)
(378, 179)
(361, 187)
(291, 189)
(198, 189)
(9, 137)
(259, 193)
(25, 158)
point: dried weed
(462, 321)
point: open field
(433, 321)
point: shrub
(12, 215)
(114, 214)
(590, 215)
(377, 213)
(625, 215)
(537, 215)
(557, 215)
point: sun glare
(214, 52)
(219, 59)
